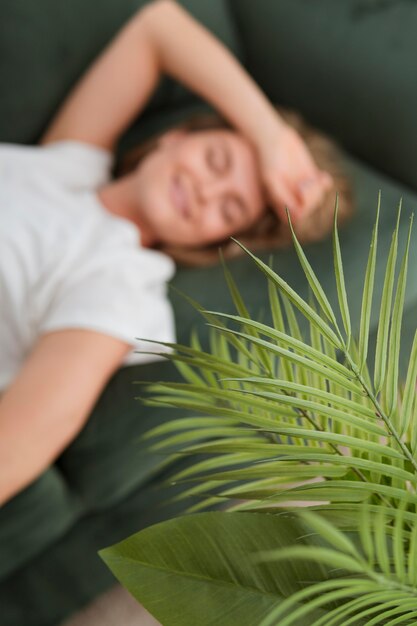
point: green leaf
(293, 341)
(293, 296)
(365, 533)
(244, 313)
(177, 567)
(341, 491)
(330, 534)
(400, 541)
(309, 364)
(258, 465)
(320, 409)
(232, 454)
(352, 518)
(385, 311)
(326, 592)
(203, 360)
(368, 289)
(353, 607)
(189, 374)
(414, 427)
(391, 384)
(355, 444)
(403, 605)
(210, 318)
(327, 556)
(340, 279)
(187, 423)
(279, 326)
(383, 609)
(412, 557)
(313, 379)
(281, 471)
(312, 278)
(188, 436)
(381, 547)
(206, 372)
(409, 391)
(329, 398)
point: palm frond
(340, 280)
(280, 417)
(381, 584)
(367, 296)
(392, 382)
(385, 312)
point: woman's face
(197, 188)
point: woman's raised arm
(163, 38)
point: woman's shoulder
(68, 162)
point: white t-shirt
(66, 262)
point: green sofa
(348, 67)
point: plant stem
(391, 428)
(334, 447)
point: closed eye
(218, 158)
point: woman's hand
(291, 178)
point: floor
(114, 608)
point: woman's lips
(179, 197)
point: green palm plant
(285, 420)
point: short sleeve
(123, 296)
(72, 164)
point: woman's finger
(282, 197)
(313, 190)
(327, 180)
(313, 199)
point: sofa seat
(347, 67)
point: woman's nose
(212, 188)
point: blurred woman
(80, 271)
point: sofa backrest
(46, 45)
(347, 65)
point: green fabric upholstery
(108, 460)
(349, 66)
(68, 572)
(46, 45)
(315, 56)
(35, 518)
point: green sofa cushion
(35, 518)
(349, 66)
(108, 460)
(68, 573)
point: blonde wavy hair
(269, 232)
